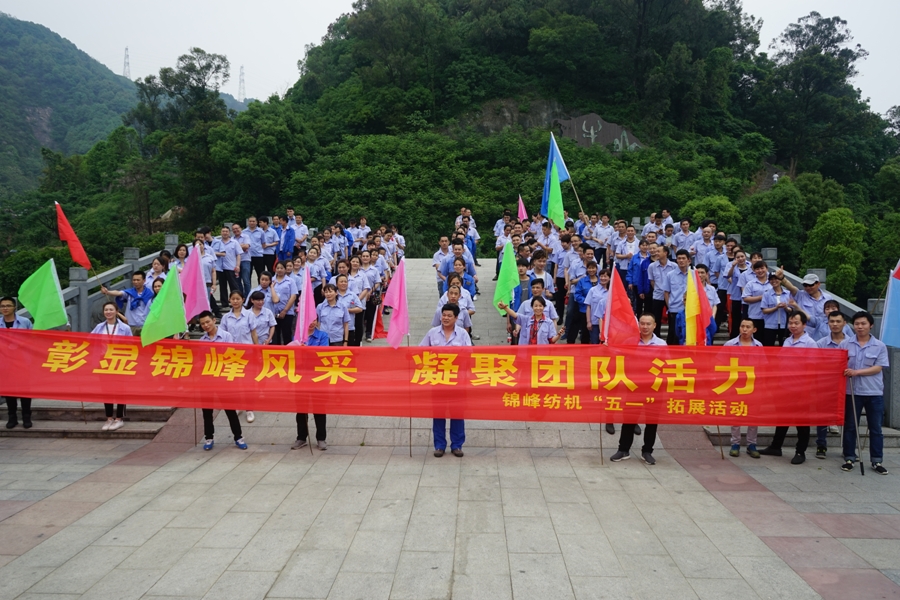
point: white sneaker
(107, 425)
(322, 445)
(250, 416)
(117, 424)
(833, 429)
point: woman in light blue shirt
(111, 327)
(261, 318)
(283, 285)
(353, 305)
(239, 324)
(334, 319)
(538, 329)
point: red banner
(575, 383)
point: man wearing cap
(810, 299)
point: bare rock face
(39, 121)
(590, 130)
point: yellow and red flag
(697, 311)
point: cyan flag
(890, 320)
(548, 208)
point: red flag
(67, 234)
(378, 331)
(620, 327)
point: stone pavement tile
(656, 577)
(119, 474)
(194, 573)
(519, 477)
(532, 535)
(480, 517)
(772, 578)
(481, 554)
(632, 536)
(403, 464)
(80, 573)
(234, 530)
(124, 584)
(814, 553)
(700, 505)
(698, 557)
(387, 515)
(562, 489)
(31, 496)
(309, 574)
(396, 486)
(178, 496)
(6, 558)
(91, 491)
(424, 532)
(481, 587)
(881, 554)
(355, 586)
(16, 581)
(241, 585)
(362, 474)
(480, 462)
(892, 574)
(263, 498)
(553, 466)
(669, 521)
(752, 501)
(51, 513)
(716, 589)
(285, 473)
(348, 500)
(855, 526)
(589, 556)
(137, 529)
(602, 588)
(204, 512)
(112, 512)
(10, 507)
(296, 513)
(61, 547)
(441, 475)
(331, 532)
(30, 596)
(574, 518)
(164, 549)
(435, 501)
(19, 539)
(734, 539)
(785, 524)
(840, 584)
(374, 552)
(422, 575)
(476, 488)
(539, 576)
(26, 485)
(269, 550)
(893, 521)
(579, 438)
(867, 508)
(597, 479)
(524, 502)
(527, 438)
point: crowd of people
(564, 271)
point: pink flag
(396, 299)
(523, 214)
(196, 297)
(306, 310)
(619, 324)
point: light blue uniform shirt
(676, 285)
(244, 238)
(654, 341)
(737, 342)
(221, 336)
(596, 299)
(261, 323)
(683, 240)
(348, 301)
(546, 330)
(270, 236)
(734, 286)
(717, 264)
(656, 273)
(238, 327)
(814, 309)
(464, 320)
(232, 252)
(256, 240)
(436, 337)
(804, 342)
(217, 246)
(332, 319)
(755, 287)
(779, 317)
(136, 316)
(21, 323)
(284, 288)
(104, 328)
(437, 260)
(863, 357)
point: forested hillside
(383, 121)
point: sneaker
(475, 297)
(369, 340)
(476, 337)
(620, 456)
(610, 429)
(207, 444)
(117, 424)
(799, 458)
(321, 445)
(735, 450)
(637, 430)
(299, 444)
(26, 423)
(821, 451)
(495, 278)
(250, 416)
(107, 425)
(848, 466)
(648, 458)
(752, 451)
(833, 429)
(12, 423)
(457, 452)
(879, 468)
(770, 451)
(240, 443)
(438, 452)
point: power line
(126, 70)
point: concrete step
(891, 437)
(64, 410)
(133, 430)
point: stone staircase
(60, 418)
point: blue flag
(890, 319)
(551, 201)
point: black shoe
(26, 422)
(770, 451)
(619, 456)
(637, 430)
(610, 429)
(879, 468)
(439, 453)
(847, 466)
(799, 458)
(648, 458)
(495, 278)
(821, 452)
(457, 452)
(477, 264)
(12, 423)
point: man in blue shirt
(317, 337)
(269, 243)
(866, 357)
(212, 333)
(257, 239)
(285, 248)
(243, 240)
(674, 287)
(10, 320)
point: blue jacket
(637, 274)
(468, 284)
(582, 288)
(285, 246)
(517, 295)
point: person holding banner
(351, 302)
(12, 321)
(110, 327)
(646, 325)
(240, 325)
(448, 334)
(136, 301)
(262, 318)
(333, 316)
(212, 333)
(746, 339)
(317, 337)
(538, 328)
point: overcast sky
(268, 37)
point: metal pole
(721, 449)
(862, 468)
(601, 446)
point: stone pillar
(78, 279)
(132, 256)
(171, 242)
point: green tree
(819, 195)
(719, 208)
(772, 219)
(835, 244)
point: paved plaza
(533, 510)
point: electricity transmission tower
(242, 94)
(126, 70)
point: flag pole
(719, 434)
(577, 199)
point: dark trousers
(722, 313)
(356, 335)
(284, 330)
(213, 305)
(560, 298)
(641, 305)
(769, 337)
(318, 295)
(11, 406)
(120, 411)
(371, 308)
(658, 306)
(626, 437)
(736, 317)
(802, 437)
(209, 429)
(234, 284)
(258, 264)
(575, 325)
(223, 287)
(303, 431)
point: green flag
(508, 279)
(166, 315)
(554, 203)
(42, 296)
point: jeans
(874, 406)
(821, 436)
(626, 437)
(209, 429)
(751, 436)
(457, 433)
(245, 278)
(303, 432)
(595, 333)
(658, 312)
